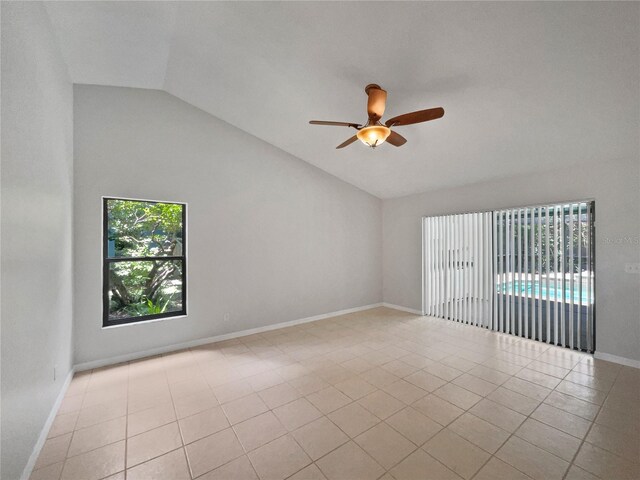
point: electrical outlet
(633, 268)
(226, 317)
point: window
(144, 260)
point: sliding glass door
(525, 271)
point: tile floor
(379, 394)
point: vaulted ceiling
(525, 86)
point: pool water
(538, 289)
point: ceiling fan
(374, 133)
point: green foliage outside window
(142, 281)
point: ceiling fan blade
(396, 139)
(415, 117)
(335, 124)
(377, 101)
(348, 142)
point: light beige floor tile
(244, 408)
(444, 372)
(474, 384)
(311, 472)
(414, 425)
(438, 409)
(188, 387)
(357, 365)
(328, 399)
(151, 418)
(460, 397)
(99, 435)
(567, 422)
(381, 404)
(497, 414)
(458, 363)
(355, 387)
(148, 399)
(399, 368)
(514, 401)
(548, 438)
(232, 391)
(385, 445)
(447, 446)
(308, 384)
(597, 383)
(238, 469)
(479, 432)
(258, 431)
(379, 377)
(95, 464)
(349, 462)
(279, 459)
(547, 368)
(573, 405)
(425, 380)
(614, 441)
(606, 465)
(496, 469)
(172, 465)
(576, 473)
(533, 461)
(353, 419)
(582, 392)
(421, 465)
(51, 472)
(202, 424)
(404, 391)
(213, 451)
(618, 420)
(53, 451)
(489, 374)
(529, 389)
(279, 395)
(319, 437)
(63, 423)
(539, 378)
(192, 404)
(105, 396)
(416, 360)
(297, 413)
(101, 413)
(264, 380)
(153, 443)
(71, 403)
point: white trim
(629, 362)
(28, 469)
(402, 309)
(218, 338)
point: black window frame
(106, 261)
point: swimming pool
(538, 289)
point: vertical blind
(458, 272)
(525, 271)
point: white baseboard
(401, 308)
(218, 338)
(44, 433)
(629, 362)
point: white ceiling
(525, 86)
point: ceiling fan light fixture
(374, 135)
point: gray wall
(37, 158)
(270, 238)
(614, 185)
